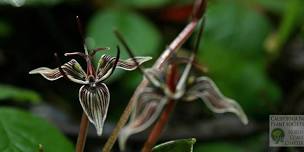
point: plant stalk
(163, 119)
(82, 136)
(198, 9)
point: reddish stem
(199, 8)
(182, 37)
(81, 140)
(162, 121)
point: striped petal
(95, 102)
(105, 67)
(130, 65)
(146, 111)
(156, 77)
(106, 62)
(71, 69)
(205, 89)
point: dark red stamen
(116, 60)
(59, 66)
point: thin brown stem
(158, 64)
(162, 121)
(175, 44)
(82, 136)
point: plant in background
(153, 98)
(198, 10)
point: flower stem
(81, 140)
(162, 121)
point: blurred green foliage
(141, 35)
(21, 131)
(292, 18)
(237, 27)
(143, 3)
(232, 48)
(18, 94)
(275, 6)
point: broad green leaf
(22, 132)
(217, 147)
(144, 3)
(141, 35)
(238, 27)
(18, 94)
(181, 145)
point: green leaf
(141, 35)
(18, 94)
(181, 145)
(22, 132)
(238, 27)
(217, 147)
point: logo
(286, 130)
(277, 135)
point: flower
(94, 95)
(152, 99)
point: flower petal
(130, 65)
(71, 69)
(105, 67)
(146, 111)
(95, 102)
(156, 76)
(205, 89)
(106, 63)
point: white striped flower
(94, 95)
(152, 100)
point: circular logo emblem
(277, 135)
